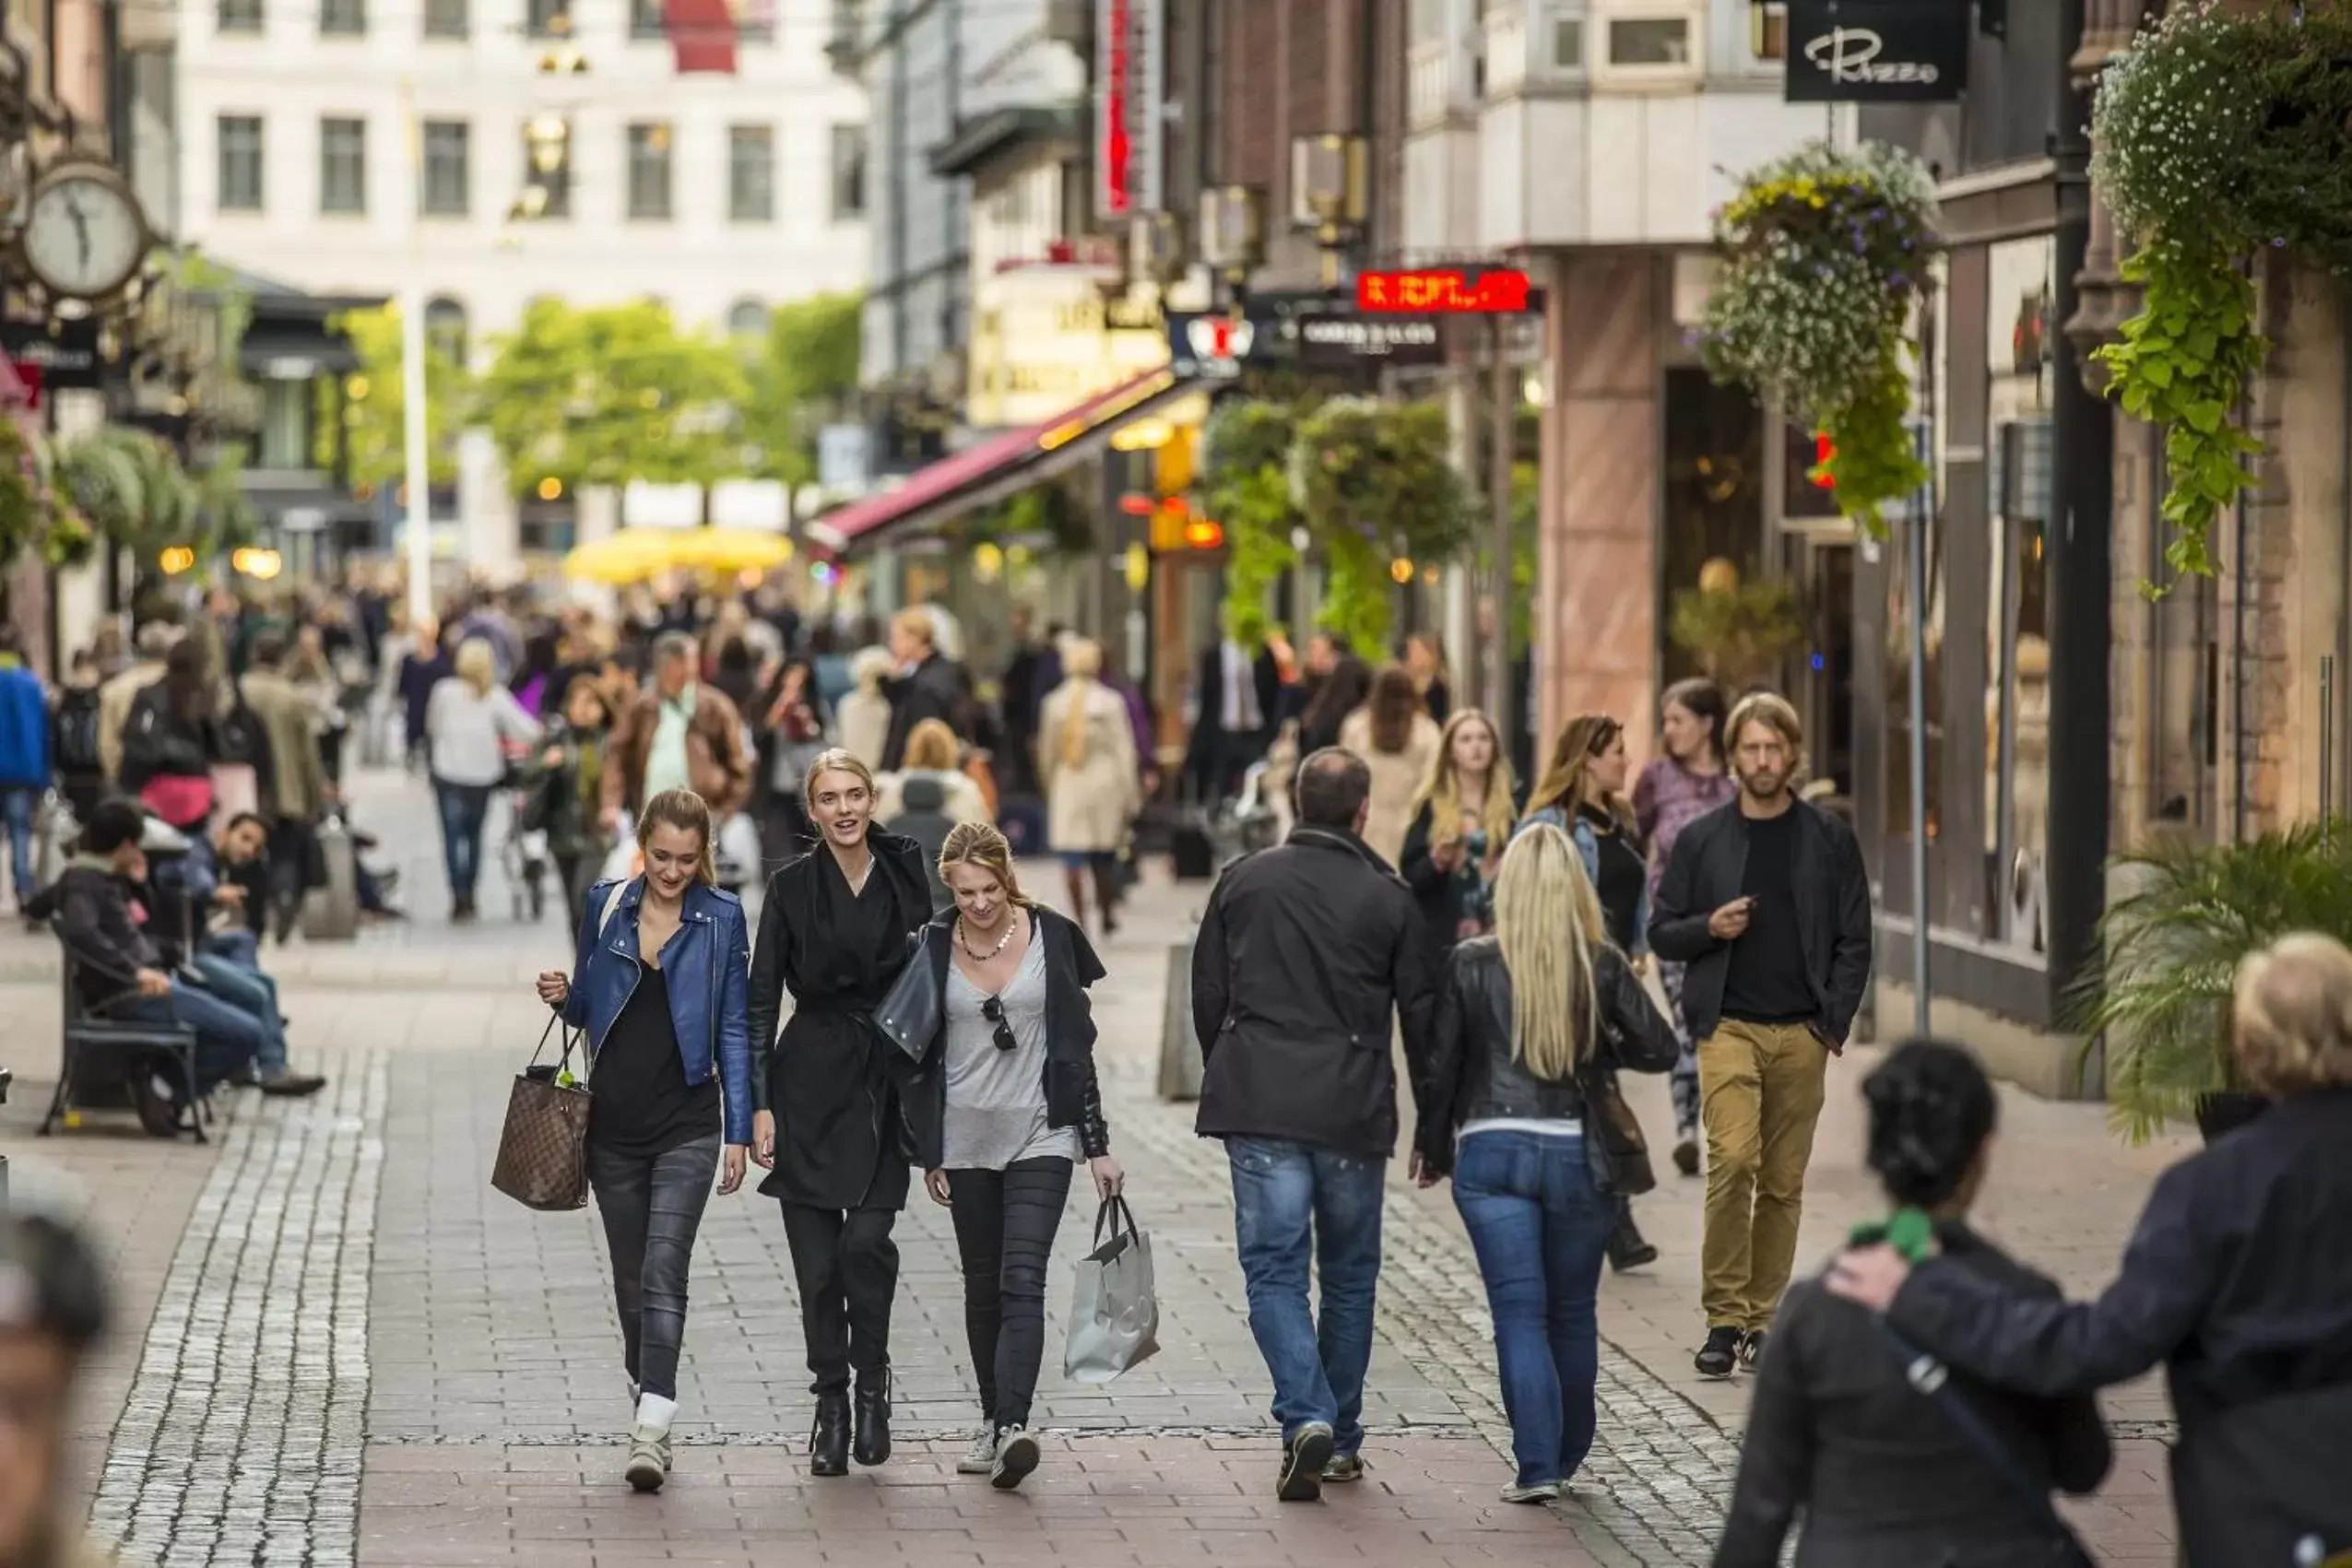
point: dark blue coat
(709, 997)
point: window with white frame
(1565, 49)
(751, 173)
(239, 16)
(1649, 40)
(649, 171)
(342, 166)
(1644, 41)
(449, 175)
(239, 138)
(1768, 31)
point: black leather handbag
(909, 1016)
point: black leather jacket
(1473, 1074)
(911, 1015)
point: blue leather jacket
(709, 988)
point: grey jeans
(651, 1210)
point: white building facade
(351, 146)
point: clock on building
(84, 235)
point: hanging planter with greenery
(1825, 255)
(1375, 484)
(2220, 134)
(1244, 487)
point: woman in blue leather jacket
(659, 985)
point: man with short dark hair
(1309, 954)
(678, 733)
(1767, 901)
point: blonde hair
(1441, 792)
(1582, 739)
(835, 760)
(2292, 1016)
(1548, 924)
(918, 622)
(685, 810)
(1772, 710)
(980, 844)
(931, 744)
(477, 666)
(1081, 660)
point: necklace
(964, 939)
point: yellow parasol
(729, 549)
(634, 555)
(630, 556)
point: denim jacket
(1588, 844)
(709, 988)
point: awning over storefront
(998, 467)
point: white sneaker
(1541, 1491)
(648, 1457)
(1016, 1456)
(980, 1459)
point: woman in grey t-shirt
(1007, 1102)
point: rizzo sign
(1877, 51)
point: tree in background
(375, 406)
(801, 375)
(610, 393)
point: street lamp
(1232, 230)
(1329, 173)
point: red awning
(703, 32)
(938, 486)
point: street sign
(1341, 340)
(65, 353)
(1446, 291)
(1129, 136)
(1877, 51)
(1217, 345)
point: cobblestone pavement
(341, 1268)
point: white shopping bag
(1114, 1312)
(622, 861)
(738, 852)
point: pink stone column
(1596, 612)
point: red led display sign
(1443, 290)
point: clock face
(84, 236)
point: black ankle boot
(873, 1422)
(1628, 1248)
(829, 1441)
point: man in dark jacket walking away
(1306, 954)
(1767, 901)
(928, 685)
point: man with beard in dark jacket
(1307, 954)
(927, 686)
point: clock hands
(81, 221)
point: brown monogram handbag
(543, 1151)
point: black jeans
(847, 1268)
(1005, 1222)
(651, 1210)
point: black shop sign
(1339, 340)
(1877, 51)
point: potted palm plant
(2179, 919)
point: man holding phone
(1767, 901)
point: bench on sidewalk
(98, 1054)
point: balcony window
(1650, 41)
(447, 19)
(449, 183)
(649, 171)
(343, 19)
(548, 18)
(848, 172)
(342, 166)
(645, 19)
(241, 16)
(241, 163)
(751, 173)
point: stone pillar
(1596, 612)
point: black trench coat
(830, 1078)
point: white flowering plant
(2220, 133)
(1826, 252)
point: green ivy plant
(1244, 486)
(1825, 253)
(2220, 134)
(22, 513)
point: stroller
(523, 853)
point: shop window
(2018, 384)
(1713, 504)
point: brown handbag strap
(571, 1038)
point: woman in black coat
(1883, 1472)
(2238, 1280)
(830, 1120)
(1460, 823)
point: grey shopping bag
(1114, 1314)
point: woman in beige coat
(1086, 756)
(1395, 735)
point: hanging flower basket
(2219, 134)
(1825, 255)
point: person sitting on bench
(124, 975)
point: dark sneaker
(158, 1106)
(1303, 1462)
(1721, 1355)
(1344, 1468)
(1687, 1157)
(1629, 1249)
(291, 1085)
(1750, 1348)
